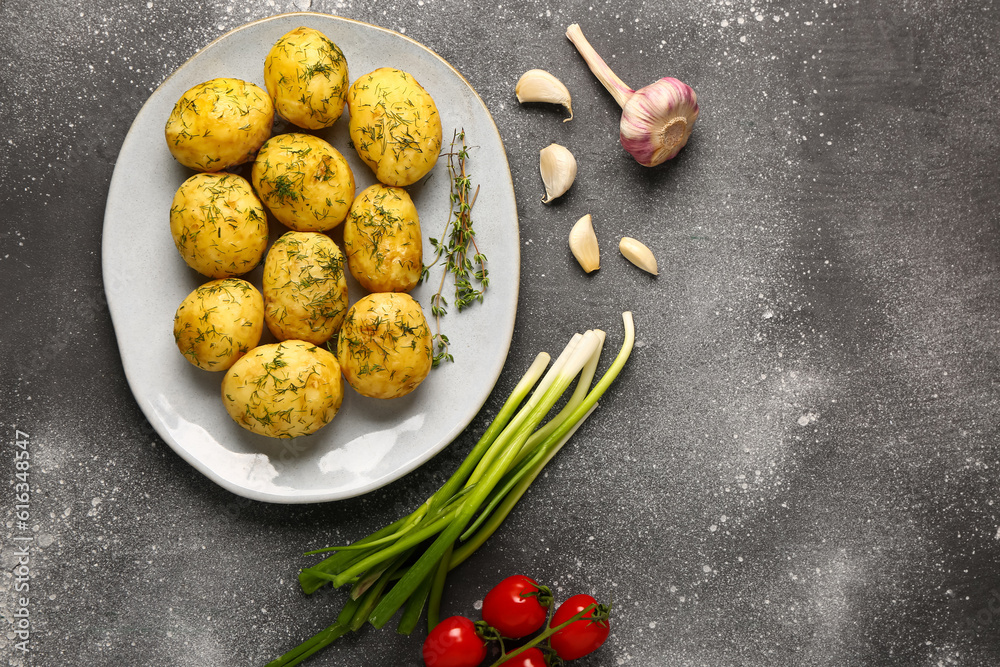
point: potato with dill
(305, 287)
(384, 347)
(219, 123)
(284, 390)
(218, 224)
(219, 322)
(304, 181)
(395, 126)
(306, 76)
(382, 240)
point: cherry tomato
(581, 637)
(454, 642)
(533, 657)
(517, 606)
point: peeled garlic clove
(558, 168)
(537, 85)
(638, 254)
(583, 244)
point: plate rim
(116, 183)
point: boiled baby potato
(382, 240)
(284, 390)
(304, 181)
(219, 322)
(219, 123)
(306, 76)
(395, 126)
(384, 346)
(218, 224)
(305, 288)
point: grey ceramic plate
(370, 442)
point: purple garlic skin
(657, 121)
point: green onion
(405, 564)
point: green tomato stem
(603, 614)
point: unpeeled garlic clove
(583, 244)
(637, 253)
(537, 85)
(558, 168)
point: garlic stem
(595, 62)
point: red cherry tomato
(454, 643)
(581, 637)
(517, 606)
(533, 657)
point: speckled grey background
(797, 467)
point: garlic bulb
(656, 120)
(537, 85)
(558, 168)
(637, 253)
(583, 244)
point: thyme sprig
(471, 276)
